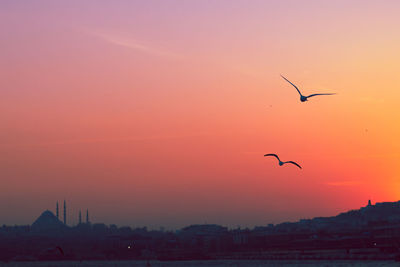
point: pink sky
(159, 113)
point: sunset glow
(158, 113)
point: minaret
(80, 217)
(87, 216)
(65, 213)
(57, 211)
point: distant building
(210, 237)
(87, 216)
(47, 222)
(241, 237)
(65, 213)
(57, 214)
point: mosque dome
(47, 221)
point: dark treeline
(373, 232)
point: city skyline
(158, 113)
(64, 219)
(68, 214)
(368, 233)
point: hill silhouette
(380, 213)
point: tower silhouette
(80, 217)
(65, 213)
(57, 214)
(87, 216)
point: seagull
(60, 249)
(302, 97)
(281, 162)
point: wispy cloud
(367, 99)
(343, 183)
(127, 41)
(248, 71)
(109, 140)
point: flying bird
(302, 97)
(282, 162)
(60, 249)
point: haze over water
(220, 263)
(158, 113)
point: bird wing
(319, 94)
(60, 249)
(273, 155)
(292, 84)
(293, 163)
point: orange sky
(158, 113)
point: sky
(158, 113)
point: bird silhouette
(302, 97)
(282, 162)
(60, 249)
